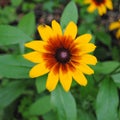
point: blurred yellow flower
(101, 5)
(61, 55)
(115, 25)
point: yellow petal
(71, 30)
(35, 57)
(103, 8)
(88, 59)
(85, 69)
(109, 4)
(118, 34)
(65, 80)
(91, 8)
(52, 80)
(56, 28)
(79, 78)
(85, 38)
(114, 25)
(86, 48)
(100, 11)
(38, 70)
(87, 1)
(36, 45)
(45, 32)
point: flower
(101, 5)
(115, 25)
(61, 55)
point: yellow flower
(61, 55)
(115, 25)
(101, 5)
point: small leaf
(41, 83)
(10, 92)
(40, 106)
(106, 67)
(70, 13)
(27, 24)
(64, 103)
(12, 35)
(107, 101)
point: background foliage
(22, 98)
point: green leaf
(10, 92)
(41, 83)
(87, 18)
(83, 28)
(115, 53)
(70, 13)
(10, 71)
(16, 2)
(104, 37)
(12, 66)
(40, 106)
(50, 116)
(106, 67)
(27, 24)
(30, 29)
(64, 103)
(107, 101)
(15, 60)
(119, 114)
(12, 35)
(33, 118)
(88, 91)
(116, 78)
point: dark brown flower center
(62, 55)
(98, 2)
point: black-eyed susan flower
(61, 55)
(115, 26)
(100, 5)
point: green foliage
(41, 83)
(50, 116)
(116, 79)
(106, 67)
(107, 101)
(12, 35)
(70, 13)
(12, 66)
(29, 29)
(85, 116)
(23, 98)
(104, 37)
(48, 6)
(16, 2)
(28, 6)
(10, 92)
(64, 104)
(41, 106)
(7, 15)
